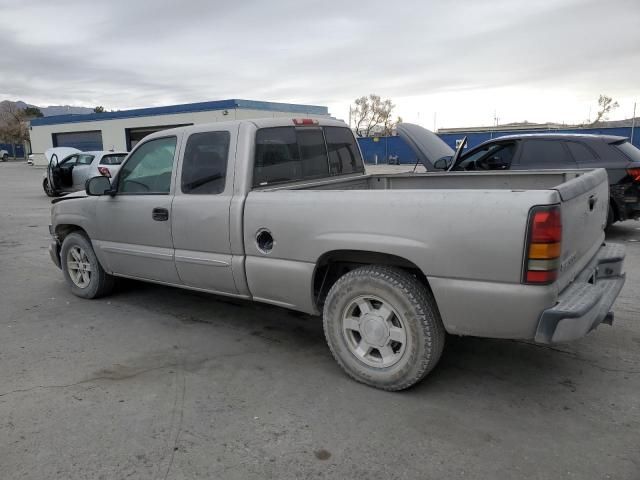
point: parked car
(565, 151)
(281, 211)
(69, 168)
(4, 155)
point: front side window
(204, 167)
(496, 156)
(149, 168)
(285, 154)
(69, 160)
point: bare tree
(99, 109)
(372, 115)
(13, 124)
(605, 106)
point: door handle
(160, 214)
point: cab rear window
(287, 154)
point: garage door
(81, 140)
(134, 135)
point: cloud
(132, 53)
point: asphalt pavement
(160, 383)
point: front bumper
(587, 302)
(54, 248)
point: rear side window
(581, 153)
(204, 168)
(85, 159)
(285, 154)
(545, 153)
(344, 156)
(115, 159)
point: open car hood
(61, 152)
(427, 146)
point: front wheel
(47, 188)
(383, 327)
(81, 268)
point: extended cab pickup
(281, 211)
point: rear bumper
(587, 301)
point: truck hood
(71, 196)
(427, 146)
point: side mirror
(441, 164)
(97, 186)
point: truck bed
(465, 231)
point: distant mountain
(52, 110)
(64, 110)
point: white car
(4, 155)
(69, 168)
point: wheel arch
(64, 229)
(331, 265)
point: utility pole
(435, 116)
(633, 122)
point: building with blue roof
(121, 130)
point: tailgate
(584, 206)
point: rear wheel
(383, 327)
(5, 157)
(81, 268)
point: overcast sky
(457, 61)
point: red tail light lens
(634, 173)
(543, 246)
(104, 171)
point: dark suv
(562, 151)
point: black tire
(47, 190)
(100, 283)
(5, 157)
(424, 331)
(611, 217)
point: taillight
(104, 171)
(305, 121)
(634, 173)
(544, 241)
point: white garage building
(123, 129)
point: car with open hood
(545, 151)
(69, 168)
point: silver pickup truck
(281, 211)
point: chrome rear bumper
(587, 301)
